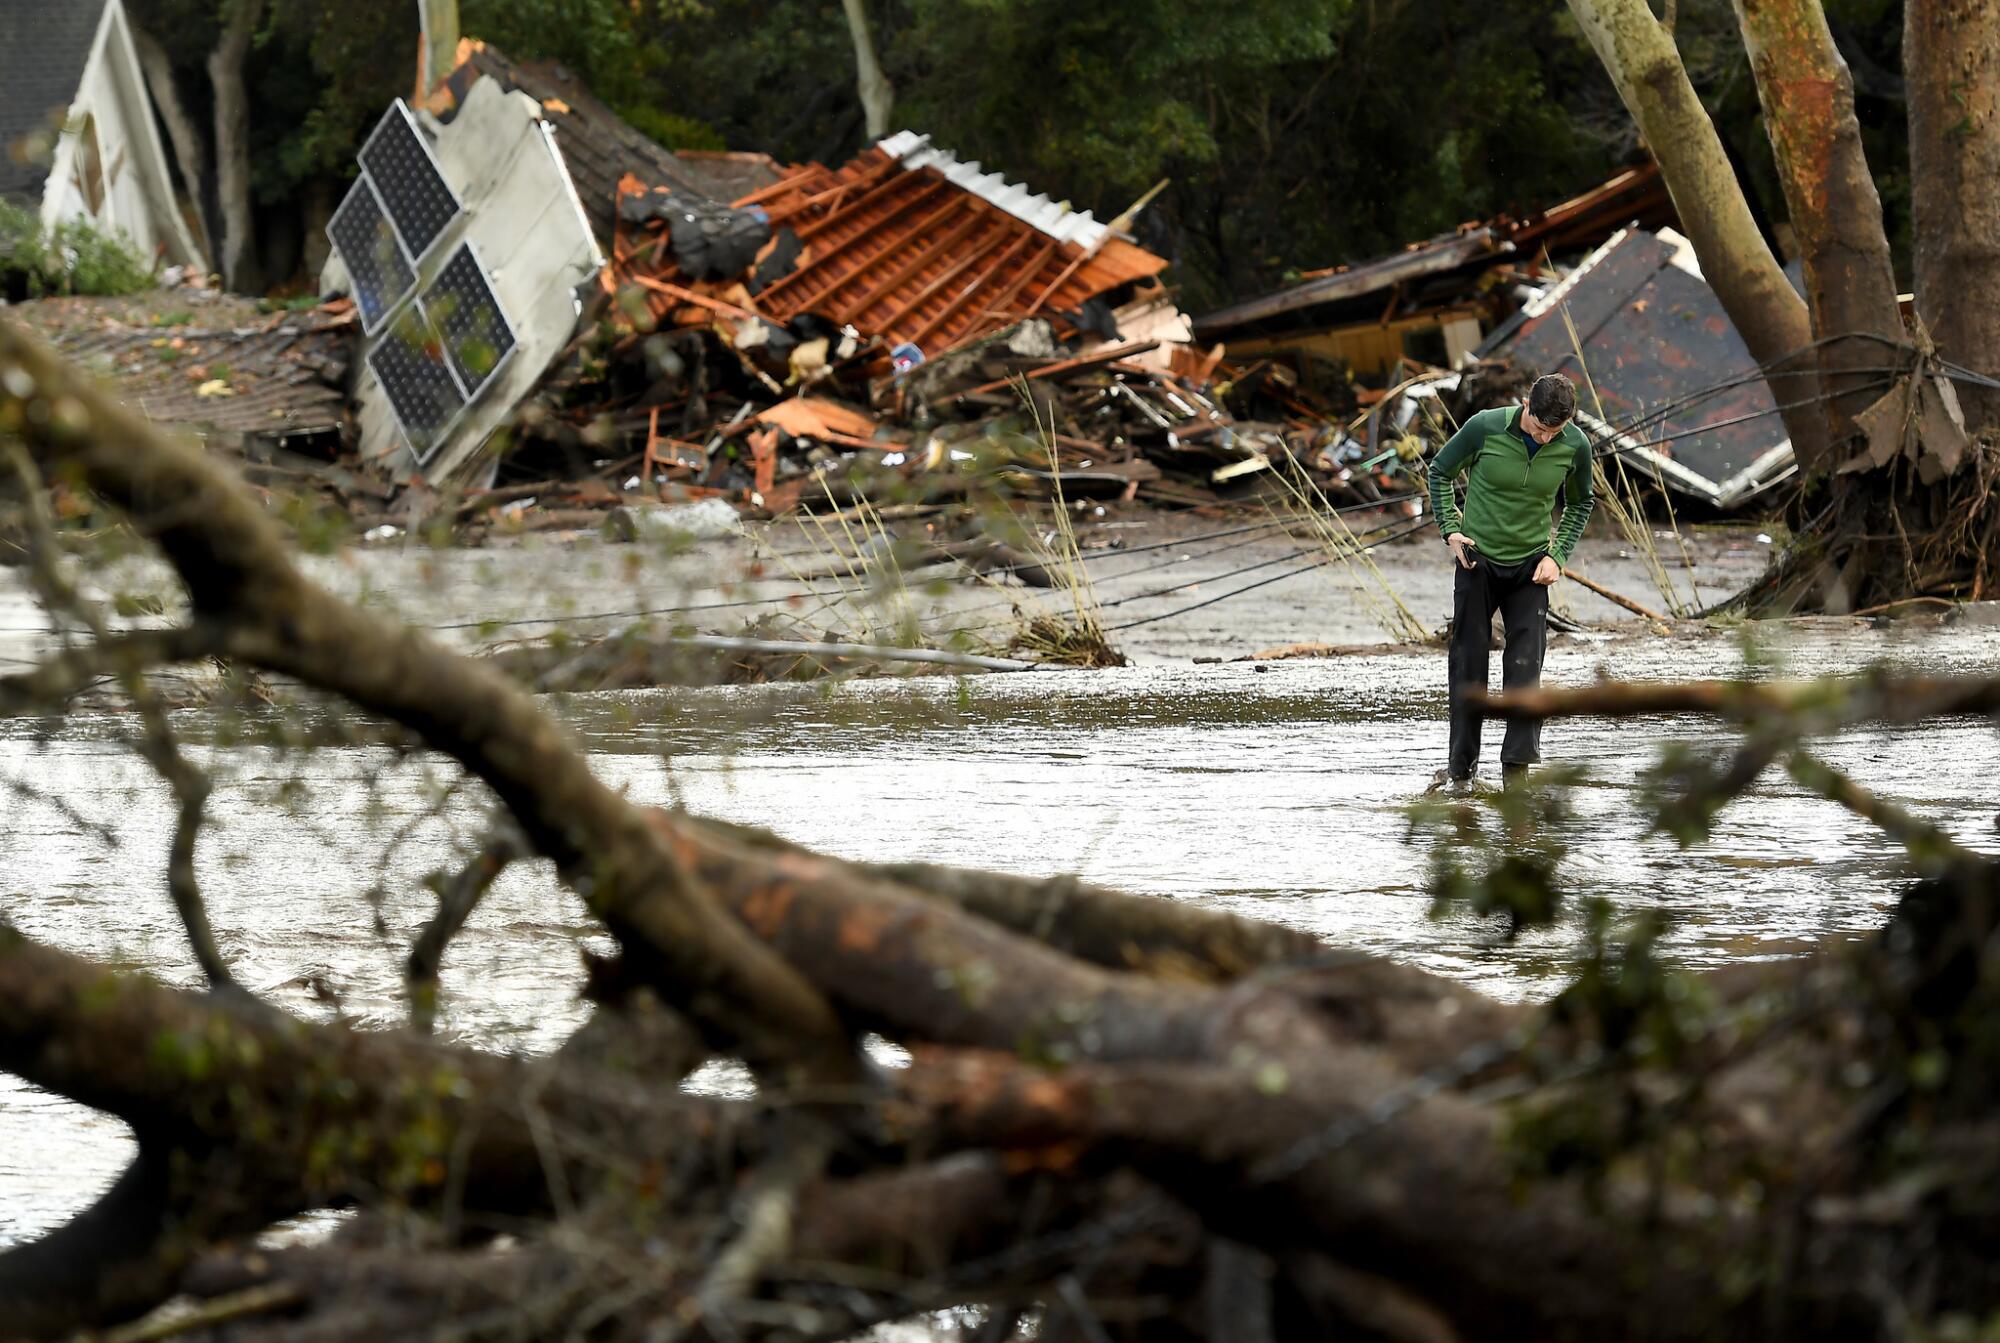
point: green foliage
(1109, 95)
(600, 40)
(1625, 998)
(1686, 788)
(675, 132)
(1297, 133)
(75, 257)
(1956, 1328)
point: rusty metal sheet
(917, 248)
(1653, 343)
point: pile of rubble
(266, 384)
(906, 327)
(559, 318)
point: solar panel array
(396, 210)
(423, 391)
(476, 334)
(381, 274)
(451, 341)
(449, 346)
(399, 163)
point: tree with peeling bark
(1836, 215)
(1951, 50)
(1896, 492)
(1119, 1116)
(1639, 54)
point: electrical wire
(1312, 564)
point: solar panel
(467, 313)
(419, 201)
(381, 274)
(411, 365)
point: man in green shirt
(1519, 462)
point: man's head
(1551, 403)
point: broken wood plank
(686, 295)
(1081, 364)
(1612, 597)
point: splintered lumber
(1081, 364)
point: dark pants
(1523, 605)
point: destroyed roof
(908, 243)
(1636, 196)
(44, 46)
(272, 376)
(1678, 387)
(598, 146)
(1472, 243)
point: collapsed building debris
(1434, 300)
(269, 388)
(597, 145)
(1669, 380)
(1630, 317)
(905, 328)
(463, 245)
(911, 246)
(1672, 387)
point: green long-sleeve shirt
(1510, 492)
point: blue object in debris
(905, 357)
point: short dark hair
(1552, 399)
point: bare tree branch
(1875, 698)
(458, 894)
(117, 656)
(239, 572)
(157, 744)
(1931, 847)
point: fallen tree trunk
(1149, 1121)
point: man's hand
(1548, 571)
(1461, 548)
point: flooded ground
(1277, 789)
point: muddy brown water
(1278, 790)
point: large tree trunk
(232, 145)
(1808, 99)
(190, 149)
(1645, 66)
(1103, 1092)
(878, 95)
(1951, 65)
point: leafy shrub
(75, 257)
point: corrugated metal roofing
(1659, 351)
(909, 243)
(1054, 218)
